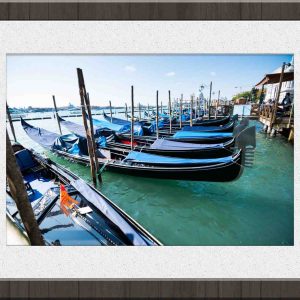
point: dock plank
(251, 11)
(251, 289)
(39, 11)
(3, 11)
(230, 289)
(39, 289)
(64, 289)
(19, 289)
(63, 11)
(4, 289)
(18, 11)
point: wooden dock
(280, 123)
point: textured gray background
(147, 37)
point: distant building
(241, 100)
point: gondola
(173, 148)
(147, 127)
(150, 128)
(149, 165)
(222, 128)
(68, 210)
(122, 144)
(98, 131)
(222, 140)
(203, 122)
(195, 137)
(216, 122)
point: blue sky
(33, 79)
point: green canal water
(257, 209)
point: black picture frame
(136, 289)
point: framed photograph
(174, 137)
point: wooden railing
(266, 111)
(282, 117)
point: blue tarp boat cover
(90, 195)
(72, 144)
(206, 128)
(78, 129)
(199, 134)
(114, 127)
(141, 157)
(163, 144)
(39, 135)
(138, 130)
(120, 128)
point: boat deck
(39, 184)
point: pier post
(140, 116)
(126, 111)
(191, 116)
(110, 111)
(265, 128)
(56, 113)
(148, 111)
(210, 89)
(217, 105)
(132, 118)
(291, 135)
(170, 109)
(83, 96)
(19, 194)
(157, 131)
(291, 114)
(180, 111)
(273, 118)
(11, 123)
(94, 148)
(273, 132)
(198, 107)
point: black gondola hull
(215, 173)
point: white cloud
(213, 73)
(170, 74)
(130, 68)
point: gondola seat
(25, 160)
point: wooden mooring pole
(157, 131)
(217, 105)
(140, 116)
(56, 114)
(273, 118)
(180, 111)
(148, 111)
(110, 111)
(198, 107)
(126, 111)
(88, 106)
(170, 111)
(89, 135)
(191, 116)
(19, 194)
(10, 123)
(132, 119)
(210, 89)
